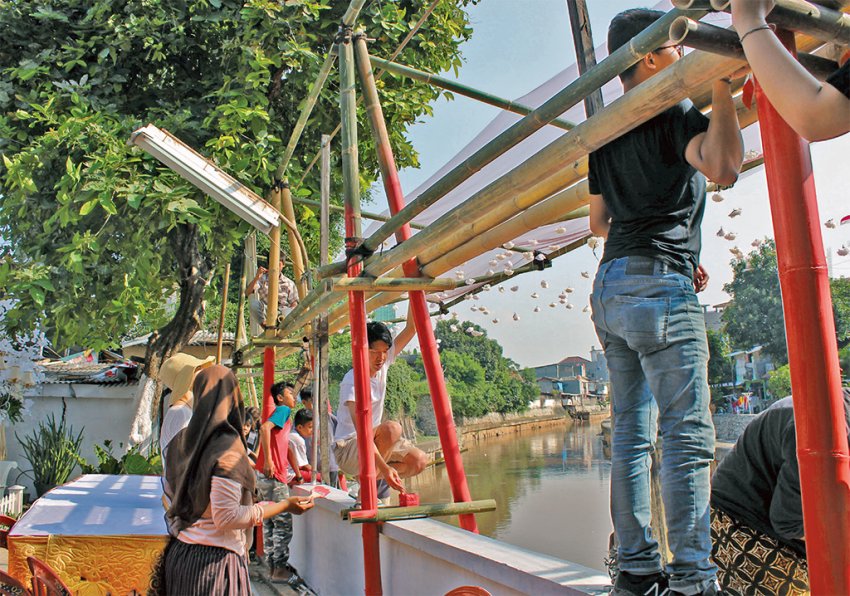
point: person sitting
(815, 110)
(258, 294)
(756, 508)
(395, 456)
(212, 505)
(303, 423)
(277, 472)
(177, 374)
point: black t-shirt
(758, 482)
(656, 199)
(840, 79)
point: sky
(516, 46)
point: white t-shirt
(176, 419)
(345, 428)
(300, 448)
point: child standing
(298, 444)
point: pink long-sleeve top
(225, 520)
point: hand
(269, 469)
(700, 279)
(747, 14)
(299, 479)
(298, 505)
(261, 271)
(393, 479)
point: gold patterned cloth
(750, 563)
(102, 534)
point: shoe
(629, 584)
(281, 575)
(712, 590)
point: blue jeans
(652, 329)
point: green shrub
(132, 462)
(52, 451)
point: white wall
(425, 557)
(101, 411)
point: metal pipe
(418, 305)
(364, 214)
(348, 19)
(650, 39)
(357, 317)
(455, 87)
(822, 449)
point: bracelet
(764, 27)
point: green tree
(779, 382)
(404, 386)
(719, 365)
(840, 291)
(754, 315)
(101, 236)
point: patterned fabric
(200, 570)
(287, 293)
(277, 531)
(750, 563)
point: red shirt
(279, 445)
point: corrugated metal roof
(201, 338)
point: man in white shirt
(395, 456)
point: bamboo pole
(297, 257)
(820, 22)
(545, 173)
(241, 335)
(585, 53)
(320, 396)
(385, 514)
(363, 214)
(466, 91)
(348, 19)
(650, 39)
(220, 341)
(709, 38)
(395, 284)
(274, 268)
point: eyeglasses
(680, 49)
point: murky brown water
(550, 487)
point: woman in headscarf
(212, 482)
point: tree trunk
(193, 267)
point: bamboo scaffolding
(298, 259)
(545, 173)
(395, 284)
(220, 339)
(820, 22)
(466, 91)
(348, 19)
(585, 52)
(709, 38)
(650, 39)
(384, 514)
(364, 214)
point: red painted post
(822, 448)
(419, 307)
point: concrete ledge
(425, 557)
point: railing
(13, 503)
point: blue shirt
(280, 416)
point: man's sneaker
(629, 584)
(713, 589)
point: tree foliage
(754, 315)
(779, 382)
(102, 236)
(719, 365)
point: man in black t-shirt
(647, 199)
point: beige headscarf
(212, 445)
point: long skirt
(751, 563)
(200, 570)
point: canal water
(550, 487)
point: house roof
(93, 373)
(574, 360)
(201, 338)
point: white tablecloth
(98, 505)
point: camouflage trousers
(277, 530)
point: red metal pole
(419, 307)
(357, 319)
(822, 449)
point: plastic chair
(9, 586)
(45, 582)
(7, 523)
